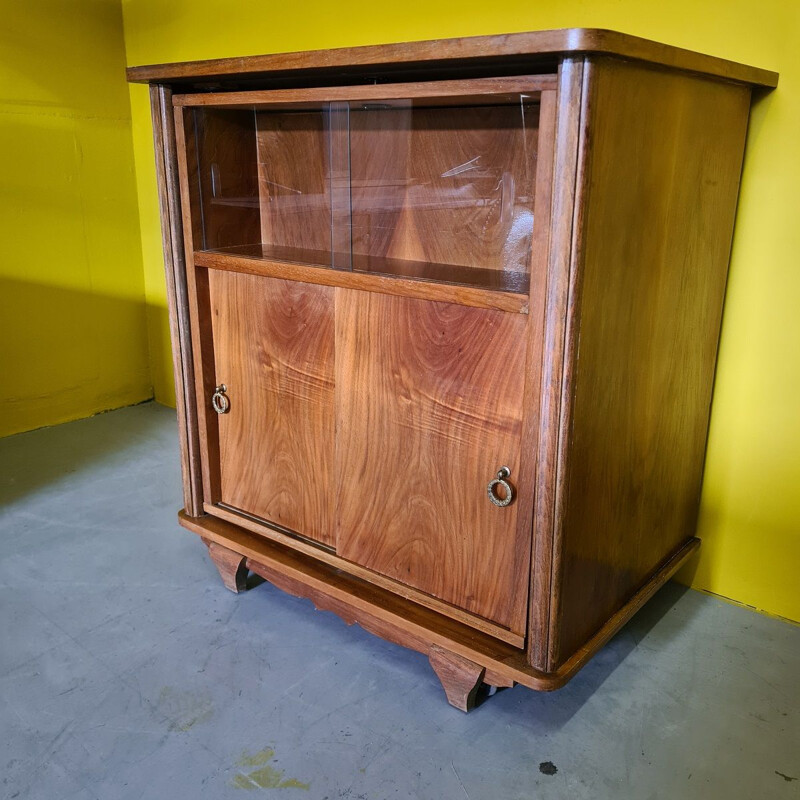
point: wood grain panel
(273, 344)
(429, 407)
(328, 555)
(653, 243)
(444, 186)
(525, 49)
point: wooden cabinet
(445, 319)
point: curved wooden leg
(459, 676)
(232, 566)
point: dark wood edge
(532, 430)
(529, 45)
(485, 87)
(571, 333)
(314, 550)
(672, 564)
(200, 325)
(551, 410)
(177, 298)
(403, 287)
(398, 620)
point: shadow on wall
(67, 354)
(72, 320)
(161, 370)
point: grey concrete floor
(128, 671)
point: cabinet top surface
(541, 48)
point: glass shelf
(402, 188)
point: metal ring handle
(220, 401)
(500, 480)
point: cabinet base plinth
(462, 656)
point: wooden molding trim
(555, 378)
(369, 282)
(405, 623)
(527, 47)
(177, 298)
(490, 90)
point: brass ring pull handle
(500, 480)
(220, 401)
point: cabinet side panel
(654, 235)
(177, 300)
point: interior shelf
(476, 296)
(494, 280)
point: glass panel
(264, 182)
(227, 178)
(444, 193)
(416, 189)
(294, 182)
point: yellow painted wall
(750, 519)
(72, 311)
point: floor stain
(548, 768)
(787, 778)
(185, 709)
(264, 776)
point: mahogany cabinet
(445, 320)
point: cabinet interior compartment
(421, 188)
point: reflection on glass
(441, 193)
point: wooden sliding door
(429, 406)
(274, 352)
